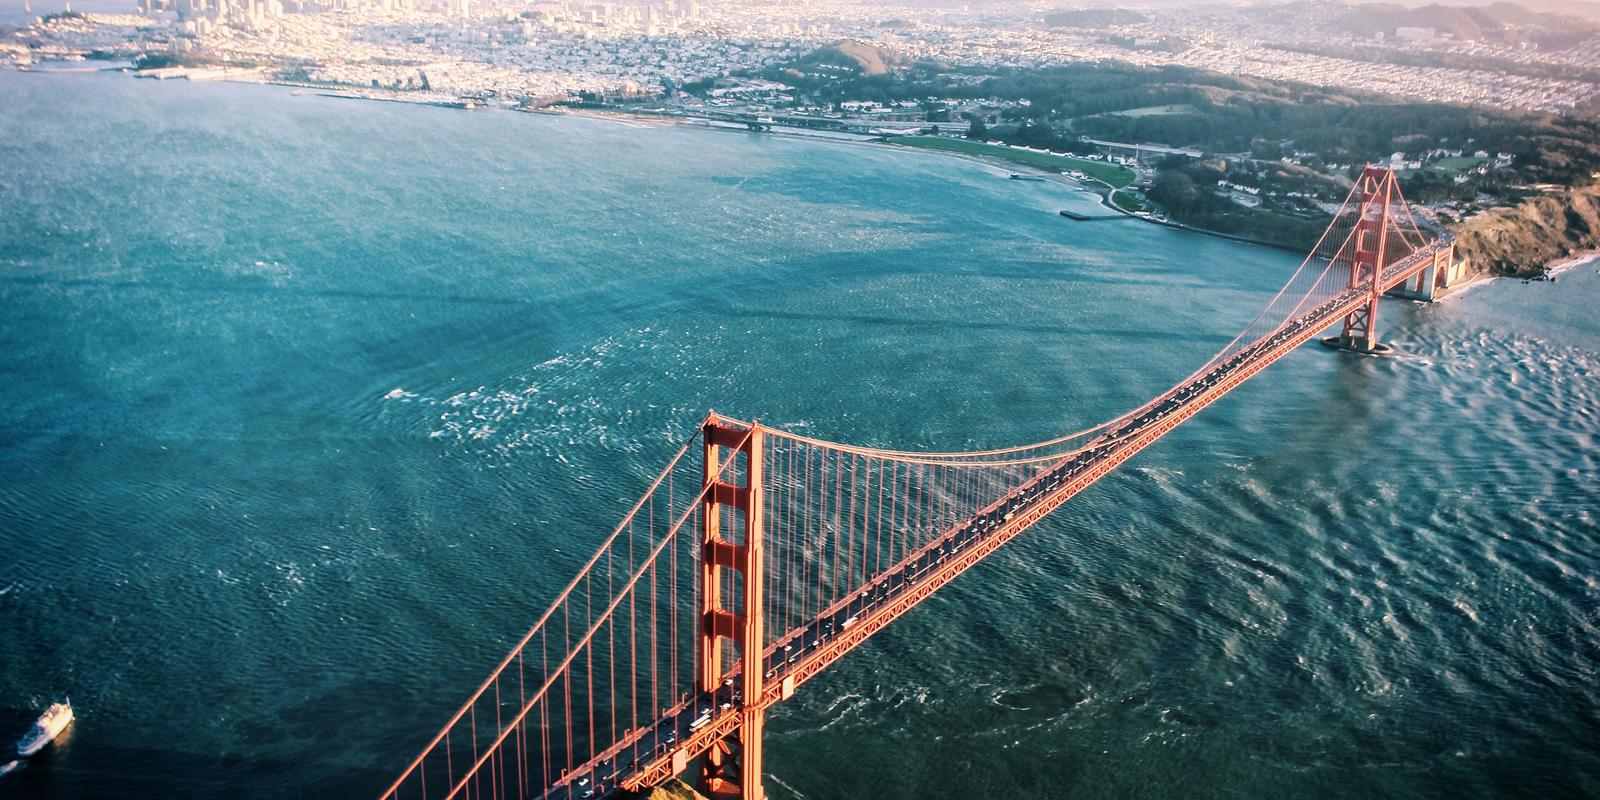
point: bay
(310, 406)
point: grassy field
(1153, 111)
(1455, 166)
(1128, 202)
(1448, 166)
(1113, 174)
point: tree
(977, 130)
(1176, 191)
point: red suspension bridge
(759, 557)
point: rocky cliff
(671, 790)
(1523, 239)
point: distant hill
(863, 58)
(1500, 23)
(1093, 18)
(1587, 9)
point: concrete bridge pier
(1421, 287)
(1360, 333)
(1362, 345)
(1427, 283)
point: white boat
(51, 723)
(10, 767)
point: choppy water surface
(310, 405)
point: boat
(50, 724)
(10, 767)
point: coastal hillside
(1522, 239)
(671, 790)
(1504, 23)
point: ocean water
(309, 406)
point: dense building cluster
(515, 51)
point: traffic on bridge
(704, 609)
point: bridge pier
(1359, 345)
(1438, 275)
(1360, 334)
(1422, 287)
(732, 767)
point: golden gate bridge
(745, 572)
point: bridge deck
(646, 756)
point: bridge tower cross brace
(722, 775)
(1360, 332)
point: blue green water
(309, 405)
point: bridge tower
(1375, 193)
(732, 768)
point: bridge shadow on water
(852, 266)
(924, 322)
(817, 269)
(82, 763)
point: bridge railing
(839, 517)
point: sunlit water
(310, 405)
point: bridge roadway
(645, 757)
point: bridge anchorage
(744, 573)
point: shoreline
(1232, 237)
(635, 118)
(871, 140)
(638, 118)
(1572, 262)
(1552, 269)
